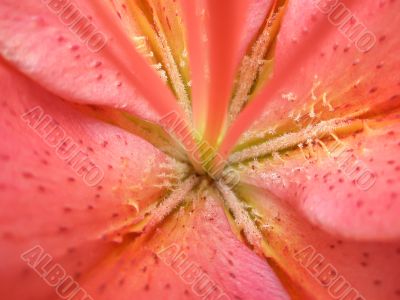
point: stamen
(242, 218)
(253, 64)
(171, 202)
(167, 57)
(288, 140)
(155, 27)
(173, 72)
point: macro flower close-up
(200, 149)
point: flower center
(156, 28)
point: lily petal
(349, 187)
(80, 53)
(318, 265)
(223, 27)
(73, 179)
(323, 173)
(359, 81)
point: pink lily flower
(200, 149)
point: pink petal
(352, 78)
(353, 192)
(311, 260)
(333, 192)
(213, 63)
(199, 236)
(310, 46)
(47, 46)
(194, 19)
(62, 206)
